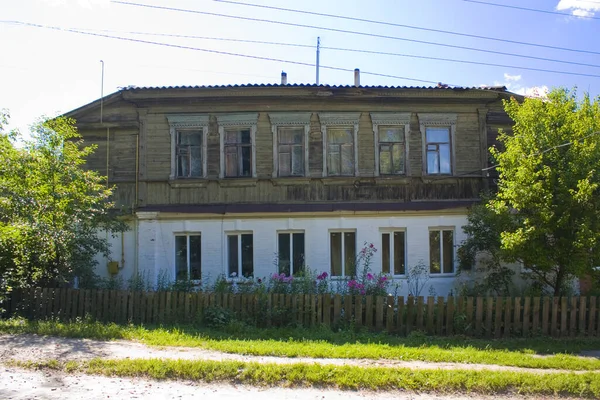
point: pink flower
(362, 292)
(371, 245)
(370, 276)
(323, 276)
(352, 283)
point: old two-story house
(250, 180)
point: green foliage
(218, 317)
(546, 213)
(51, 208)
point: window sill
(290, 181)
(339, 180)
(447, 275)
(392, 180)
(188, 183)
(237, 182)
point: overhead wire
(394, 24)
(329, 29)
(530, 9)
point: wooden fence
(475, 316)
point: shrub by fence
(476, 316)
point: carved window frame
(237, 121)
(300, 119)
(178, 123)
(438, 120)
(391, 119)
(339, 120)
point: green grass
(342, 377)
(323, 343)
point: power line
(346, 50)
(360, 51)
(529, 9)
(335, 30)
(218, 51)
(406, 26)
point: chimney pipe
(356, 77)
(283, 78)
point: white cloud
(512, 78)
(579, 8)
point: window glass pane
(385, 160)
(437, 135)
(433, 166)
(190, 138)
(196, 155)
(297, 160)
(231, 137)
(284, 253)
(434, 252)
(232, 256)
(391, 134)
(340, 135)
(348, 160)
(284, 164)
(333, 163)
(245, 136)
(385, 253)
(445, 167)
(181, 257)
(195, 257)
(349, 253)
(247, 255)
(246, 161)
(183, 169)
(398, 159)
(290, 135)
(399, 252)
(298, 256)
(448, 251)
(336, 253)
(231, 164)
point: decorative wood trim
(290, 181)
(397, 119)
(291, 118)
(245, 119)
(237, 182)
(339, 119)
(184, 184)
(183, 122)
(441, 120)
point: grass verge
(323, 343)
(341, 377)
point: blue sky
(46, 72)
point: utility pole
(318, 51)
(102, 91)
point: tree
(51, 208)
(548, 197)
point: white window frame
(391, 119)
(339, 120)
(434, 120)
(291, 233)
(239, 244)
(289, 120)
(187, 235)
(356, 251)
(441, 229)
(237, 121)
(391, 232)
(182, 123)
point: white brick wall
(156, 238)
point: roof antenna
(318, 51)
(102, 92)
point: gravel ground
(36, 348)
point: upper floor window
(441, 251)
(188, 145)
(340, 134)
(391, 151)
(238, 145)
(290, 143)
(188, 257)
(438, 131)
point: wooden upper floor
(288, 144)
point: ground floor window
(290, 253)
(188, 257)
(342, 247)
(240, 255)
(393, 253)
(441, 251)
